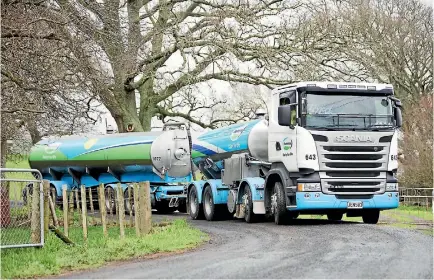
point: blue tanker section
(221, 143)
(230, 139)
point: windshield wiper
(331, 128)
(380, 126)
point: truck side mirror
(284, 115)
(398, 117)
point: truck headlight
(309, 187)
(391, 187)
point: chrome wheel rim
(208, 201)
(193, 206)
(274, 203)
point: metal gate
(22, 208)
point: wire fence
(415, 208)
(21, 208)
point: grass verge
(56, 257)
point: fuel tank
(219, 144)
(167, 152)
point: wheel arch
(199, 186)
(255, 184)
(219, 192)
(278, 174)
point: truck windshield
(359, 112)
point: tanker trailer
(327, 148)
(160, 157)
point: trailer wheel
(129, 202)
(249, 216)
(27, 194)
(371, 216)
(110, 200)
(182, 207)
(208, 205)
(278, 204)
(335, 216)
(163, 207)
(196, 212)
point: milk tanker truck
(160, 157)
(328, 148)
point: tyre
(278, 204)
(182, 207)
(371, 216)
(293, 215)
(335, 216)
(249, 216)
(129, 201)
(110, 200)
(27, 194)
(208, 205)
(163, 207)
(196, 212)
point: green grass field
(57, 257)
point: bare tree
(139, 54)
(43, 91)
(386, 41)
(418, 143)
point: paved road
(309, 249)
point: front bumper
(319, 200)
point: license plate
(354, 204)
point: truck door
(282, 144)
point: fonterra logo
(354, 139)
(287, 144)
(237, 132)
(51, 148)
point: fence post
(36, 226)
(102, 209)
(65, 211)
(53, 211)
(71, 207)
(148, 209)
(145, 208)
(118, 185)
(136, 208)
(92, 210)
(130, 202)
(46, 185)
(121, 211)
(84, 210)
(77, 202)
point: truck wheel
(371, 216)
(278, 204)
(196, 212)
(335, 216)
(249, 216)
(208, 205)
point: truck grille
(352, 157)
(354, 186)
(352, 169)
